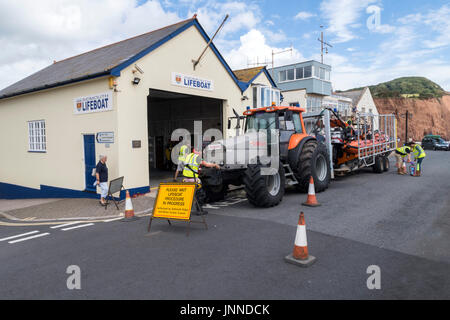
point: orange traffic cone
(300, 254)
(129, 211)
(311, 201)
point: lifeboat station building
(124, 101)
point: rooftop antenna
(196, 62)
(279, 52)
(323, 45)
(257, 64)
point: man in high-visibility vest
(192, 164)
(184, 150)
(419, 155)
(400, 154)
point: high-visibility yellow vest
(418, 152)
(182, 153)
(191, 166)
(402, 150)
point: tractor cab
(287, 120)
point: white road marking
(28, 238)
(19, 235)
(208, 206)
(237, 201)
(80, 226)
(65, 225)
(113, 219)
(153, 233)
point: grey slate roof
(355, 95)
(91, 64)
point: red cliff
(430, 116)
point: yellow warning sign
(174, 201)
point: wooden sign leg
(188, 228)
(149, 224)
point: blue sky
(406, 38)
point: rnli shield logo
(178, 79)
(79, 106)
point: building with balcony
(305, 83)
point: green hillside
(407, 87)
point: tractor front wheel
(264, 190)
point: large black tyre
(313, 161)
(264, 190)
(215, 193)
(378, 166)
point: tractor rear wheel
(313, 161)
(264, 190)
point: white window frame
(37, 139)
(272, 96)
(285, 76)
(326, 78)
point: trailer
(365, 141)
(298, 146)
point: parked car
(433, 143)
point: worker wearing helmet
(192, 164)
(402, 155)
(419, 155)
(181, 158)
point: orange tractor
(273, 152)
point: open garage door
(168, 111)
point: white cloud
(243, 16)
(384, 28)
(304, 15)
(253, 47)
(437, 20)
(50, 30)
(342, 17)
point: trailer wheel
(313, 161)
(378, 166)
(264, 190)
(386, 163)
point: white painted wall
(367, 103)
(174, 56)
(63, 163)
(260, 80)
(294, 97)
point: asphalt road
(399, 223)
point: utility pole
(407, 116)
(323, 45)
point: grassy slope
(419, 87)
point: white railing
(376, 135)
